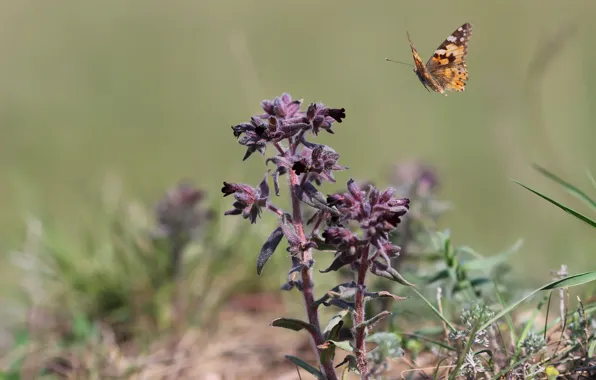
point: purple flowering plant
(355, 224)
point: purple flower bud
(282, 107)
(354, 190)
(338, 236)
(249, 200)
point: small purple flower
(319, 163)
(322, 117)
(249, 200)
(256, 134)
(282, 107)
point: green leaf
(374, 319)
(293, 324)
(568, 210)
(591, 178)
(591, 348)
(327, 355)
(459, 250)
(335, 323)
(352, 366)
(570, 281)
(492, 261)
(574, 280)
(422, 335)
(567, 186)
(305, 366)
(343, 345)
(441, 275)
(328, 349)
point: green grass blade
(434, 309)
(567, 186)
(574, 280)
(508, 318)
(559, 205)
(462, 355)
(427, 340)
(528, 326)
(591, 178)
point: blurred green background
(147, 91)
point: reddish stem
(360, 318)
(307, 283)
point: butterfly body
(446, 70)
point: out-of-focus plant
(374, 213)
(180, 220)
(490, 341)
(136, 274)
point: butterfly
(446, 70)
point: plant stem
(307, 282)
(360, 318)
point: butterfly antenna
(403, 63)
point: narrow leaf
(335, 321)
(384, 294)
(568, 210)
(492, 261)
(567, 186)
(462, 355)
(374, 319)
(268, 248)
(529, 325)
(508, 318)
(592, 349)
(293, 324)
(573, 280)
(420, 337)
(327, 355)
(305, 366)
(383, 270)
(434, 310)
(352, 363)
(441, 275)
(591, 178)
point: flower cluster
(332, 218)
(283, 120)
(377, 214)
